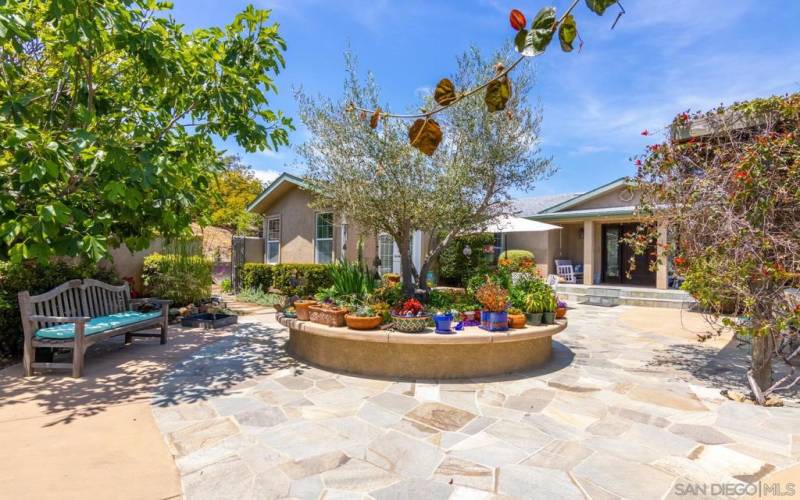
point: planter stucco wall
(382, 353)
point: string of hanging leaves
(425, 134)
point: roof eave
(586, 196)
(284, 177)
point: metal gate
(237, 261)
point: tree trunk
(407, 276)
(761, 361)
(422, 280)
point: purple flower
(562, 303)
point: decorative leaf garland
(425, 134)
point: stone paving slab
(611, 416)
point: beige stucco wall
(297, 226)
(298, 231)
(127, 263)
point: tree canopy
(381, 183)
(731, 198)
(107, 115)
(234, 189)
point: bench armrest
(60, 319)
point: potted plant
(444, 320)
(494, 301)
(363, 318)
(516, 318)
(327, 313)
(301, 308)
(561, 309)
(549, 307)
(392, 278)
(410, 317)
(533, 307)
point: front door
(616, 258)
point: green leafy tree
(727, 185)
(235, 188)
(382, 183)
(107, 115)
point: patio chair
(566, 271)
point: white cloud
(266, 176)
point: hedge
(180, 278)
(454, 267)
(290, 279)
(36, 278)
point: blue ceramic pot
(443, 322)
(494, 321)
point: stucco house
(592, 224)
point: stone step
(609, 297)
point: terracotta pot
(516, 321)
(301, 308)
(393, 279)
(327, 315)
(561, 312)
(362, 322)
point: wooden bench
(78, 314)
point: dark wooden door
(617, 255)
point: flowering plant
(561, 304)
(411, 307)
(492, 297)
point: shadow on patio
(117, 374)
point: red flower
(683, 117)
(645, 132)
(679, 261)
(741, 175)
(638, 163)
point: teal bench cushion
(96, 325)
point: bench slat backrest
(75, 298)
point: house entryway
(616, 258)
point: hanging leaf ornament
(375, 118)
(517, 20)
(498, 92)
(445, 92)
(567, 33)
(425, 135)
(533, 42)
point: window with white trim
(323, 242)
(385, 253)
(273, 240)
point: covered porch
(594, 247)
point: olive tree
(366, 167)
(108, 111)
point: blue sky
(664, 57)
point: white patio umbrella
(519, 225)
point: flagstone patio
(629, 407)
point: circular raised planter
(471, 352)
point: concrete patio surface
(93, 437)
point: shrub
(303, 280)
(517, 261)
(184, 279)
(455, 268)
(36, 278)
(226, 285)
(257, 276)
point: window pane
(274, 229)
(324, 251)
(273, 252)
(386, 253)
(325, 225)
